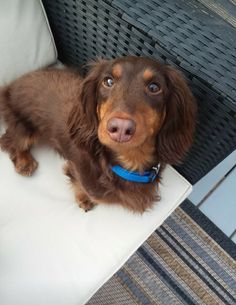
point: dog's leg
(81, 197)
(83, 200)
(18, 147)
(24, 163)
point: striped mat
(186, 261)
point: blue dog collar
(146, 177)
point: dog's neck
(139, 159)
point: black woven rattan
(86, 29)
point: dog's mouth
(131, 142)
(125, 132)
(131, 137)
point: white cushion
(52, 252)
(26, 42)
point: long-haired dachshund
(117, 127)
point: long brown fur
(69, 113)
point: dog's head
(135, 107)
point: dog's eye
(153, 87)
(108, 81)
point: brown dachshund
(131, 113)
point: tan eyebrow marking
(148, 74)
(117, 71)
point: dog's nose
(121, 130)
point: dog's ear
(82, 121)
(177, 131)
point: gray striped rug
(186, 261)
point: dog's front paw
(84, 202)
(25, 164)
(86, 205)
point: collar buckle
(155, 171)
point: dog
(117, 128)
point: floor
(215, 195)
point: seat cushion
(26, 42)
(52, 252)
